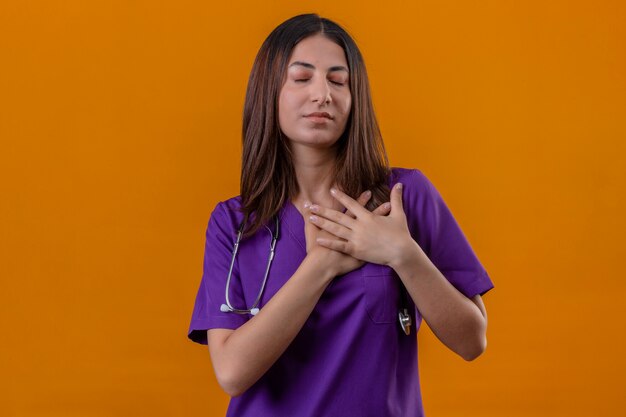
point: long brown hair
(267, 173)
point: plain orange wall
(120, 130)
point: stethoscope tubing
(254, 309)
(403, 315)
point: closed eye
(307, 79)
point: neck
(313, 168)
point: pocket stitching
(389, 275)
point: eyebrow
(311, 66)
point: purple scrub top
(351, 357)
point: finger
(383, 209)
(349, 203)
(335, 244)
(396, 200)
(362, 200)
(333, 215)
(310, 230)
(331, 227)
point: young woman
(317, 276)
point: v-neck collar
(294, 224)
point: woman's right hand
(328, 259)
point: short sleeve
(437, 232)
(220, 239)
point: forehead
(319, 51)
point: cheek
(288, 112)
(346, 106)
(349, 104)
(287, 103)
(283, 111)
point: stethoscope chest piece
(405, 321)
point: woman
(325, 331)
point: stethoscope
(228, 308)
(403, 314)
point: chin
(317, 142)
(313, 138)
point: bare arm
(240, 357)
(459, 322)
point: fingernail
(333, 191)
(399, 186)
(368, 193)
(314, 207)
(307, 204)
(387, 205)
(313, 218)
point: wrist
(407, 252)
(315, 261)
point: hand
(364, 236)
(338, 262)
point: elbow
(476, 340)
(233, 391)
(475, 349)
(229, 374)
(230, 384)
(233, 380)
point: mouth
(319, 115)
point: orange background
(120, 129)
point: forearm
(255, 346)
(453, 318)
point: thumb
(396, 200)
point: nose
(320, 91)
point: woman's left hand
(369, 237)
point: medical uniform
(351, 358)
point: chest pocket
(382, 292)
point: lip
(319, 115)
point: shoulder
(226, 214)
(231, 205)
(413, 179)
